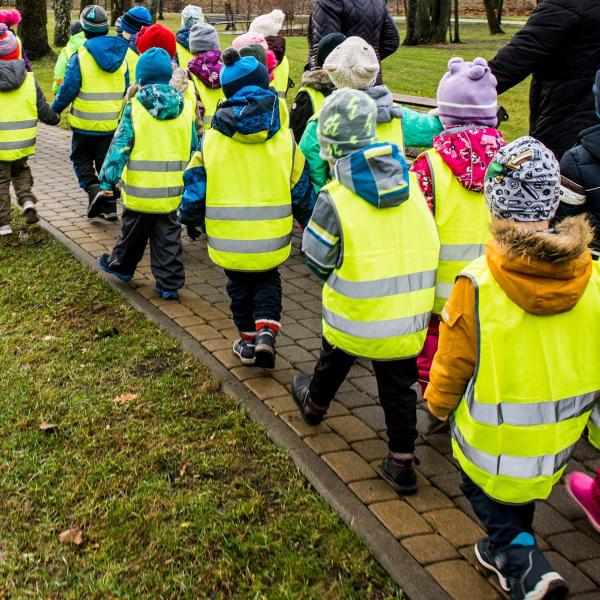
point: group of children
(463, 249)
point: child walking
(75, 42)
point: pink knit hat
(249, 39)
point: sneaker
(30, 213)
(108, 211)
(244, 350)
(585, 490)
(96, 200)
(400, 474)
(485, 555)
(265, 348)
(105, 266)
(5, 230)
(165, 293)
(309, 411)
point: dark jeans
(18, 173)
(503, 522)
(164, 233)
(255, 297)
(87, 155)
(394, 381)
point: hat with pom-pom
(353, 64)
(249, 39)
(9, 48)
(156, 36)
(238, 72)
(467, 94)
(10, 17)
(269, 24)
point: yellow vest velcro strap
(380, 288)
(249, 246)
(518, 467)
(248, 213)
(97, 96)
(461, 252)
(95, 116)
(377, 329)
(152, 192)
(18, 145)
(14, 125)
(157, 166)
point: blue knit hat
(154, 66)
(238, 72)
(136, 18)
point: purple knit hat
(467, 94)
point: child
(504, 370)
(95, 83)
(316, 86)
(451, 176)
(373, 240)
(130, 24)
(75, 42)
(11, 18)
(150, 151)
(354, 64)
(22, 103)
(243, 186)
(191, 15)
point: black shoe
(309, 411)
(400, 474)
(265, 348)
(244, 350)
(108, 211)
(29, 213)
(103, 263)
(96, 201)
(484, 553)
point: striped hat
(94, 19)
(9, 48)
(467, 94)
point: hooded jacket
(252, 116)
(164, 103)
(74, 43)
(12, 77)
(109, 53)
(543, 273)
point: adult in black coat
(560, 46)
(368, 19)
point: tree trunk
(32, 29)
(117, 8)
(427, 21)
(62, 17)
(492, 17)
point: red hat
(156, 36)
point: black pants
(394, 381)
(87, 155)
(255, 299)
(164, 233)
(503, 522)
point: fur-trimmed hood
(318, 79)
(545, 273)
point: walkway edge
(415, 582)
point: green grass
(238, 520)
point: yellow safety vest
(183, 56)
(153, 177)
(281, 77)
(248, 223)
(284, 114)
(377, 303)
(20, 45)
(210, 99)
(316, 98)
(132, 59)
(463, 221)
(536, 381)
(98, 104)
(18, 121)
(594, 428)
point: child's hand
(193, 232)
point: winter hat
(276, 45)
(238, 72)
(93, 19)
(207, 67)
(353, 64)
(136, 18)
(191, 15)
(156, 36)
(597, 92)
(118, 28)
(248, 39)
(327, 44)
(9, 48)
(467, 94)
(346, 123)
(523, 182)
(257, 51)
(76, 28)
(10, 17)
(203, 37)
(270, 24)
(154, 66)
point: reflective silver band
(18, 145)
(595, 416)
(374, 330)
(282, 94)
(157, 166)
(442, 290)
(145, 192)
(380, 288)
(95, 116)
(461, 252)
(249, 246)
(14, 125)
(100, 96)
(248, 213)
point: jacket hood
(545, 273)
(251, 115)
(386, 109)
(12, 74)
(207, 67)
(108, 51)
(161, 100)
(318, 79)
(183, 38)
(590, 140)
(468, 151)
(377, 173)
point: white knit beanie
(269, 24)
(191, 15)
(353, 64)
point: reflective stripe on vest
(98, 104)
(281, 77)
(153, 177)
(248, 224)
(463, 223)
(209, 98)
(523, 411)
(18, 121)
(378, 302)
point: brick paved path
(436, 526)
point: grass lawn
(178, 493)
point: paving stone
(460, 581)
(432, 462)
(243, 373)
(440, 442)
(588, 596)
(455, 526)
(563, 503)
(296, 354)
(354, 399)
(584, 451)
(351, 428)
(349, 466)
(370, 491)
(466, 507)
(371, 450)
(548, 521)
(203, 332)
(584, 525)
(448, 483)
(189, 320)
(175, 309)
(337, 410)
(227, 358)
(372, 415)
(265, 387)
(428, 498)
(326, 442)
(430, 548)
(575, 546)
(281, 404)
(309, 344)
(216, 344)
(400, 519)
(578, 582)
(285, 376)
(591, 568)
(294, 420)
(298, 332)
(315, 324)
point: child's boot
(585, 490)
(400, 473)
(29, 212)
(311, 413)
(265, 348)
(244, 348)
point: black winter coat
(560, 46)
(368, 19)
